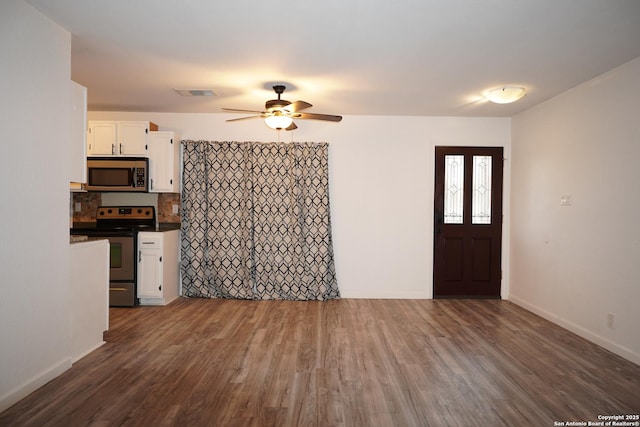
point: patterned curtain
(255, 221)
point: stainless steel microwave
(127, 174)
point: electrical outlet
(175, 209)
(78, 207)
(611, 319)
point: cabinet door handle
(139, 256)
(120, 148)
(113, 149)
(151, 183)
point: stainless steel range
(120, 225)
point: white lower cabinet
(158, 272)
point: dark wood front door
(468, 222)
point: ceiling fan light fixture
(505, 94)
(278, 121)
(279, 113)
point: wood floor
(336, 363)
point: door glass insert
(481, 196)
(453, 188)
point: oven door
(122, 258)
(122, 268)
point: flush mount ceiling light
(278, 120)
(505, 94)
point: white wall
(381, 186)
(89, 296)
(575, 264)
(34, 258)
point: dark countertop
(168, 226)
(163, 226)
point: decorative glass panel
(481, 201)
(453, 188)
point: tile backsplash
(89, 203)
(165, 207)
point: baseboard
(158, 301)
(16, 394)
(89, 350)
(578, 330)
(384, 295)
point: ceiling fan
(279, 113)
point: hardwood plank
(335, 363)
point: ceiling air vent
(195, 92)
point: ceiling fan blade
(292, 126)
(314, 116)
(297, 106)
(235, 110)
(244, 118)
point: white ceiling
(350, 57)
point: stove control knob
(101, 213)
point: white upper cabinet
(102, 138)
(132, 138)
(78, 144)
(111, 138)
(164, 169)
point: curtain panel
(255, 221)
